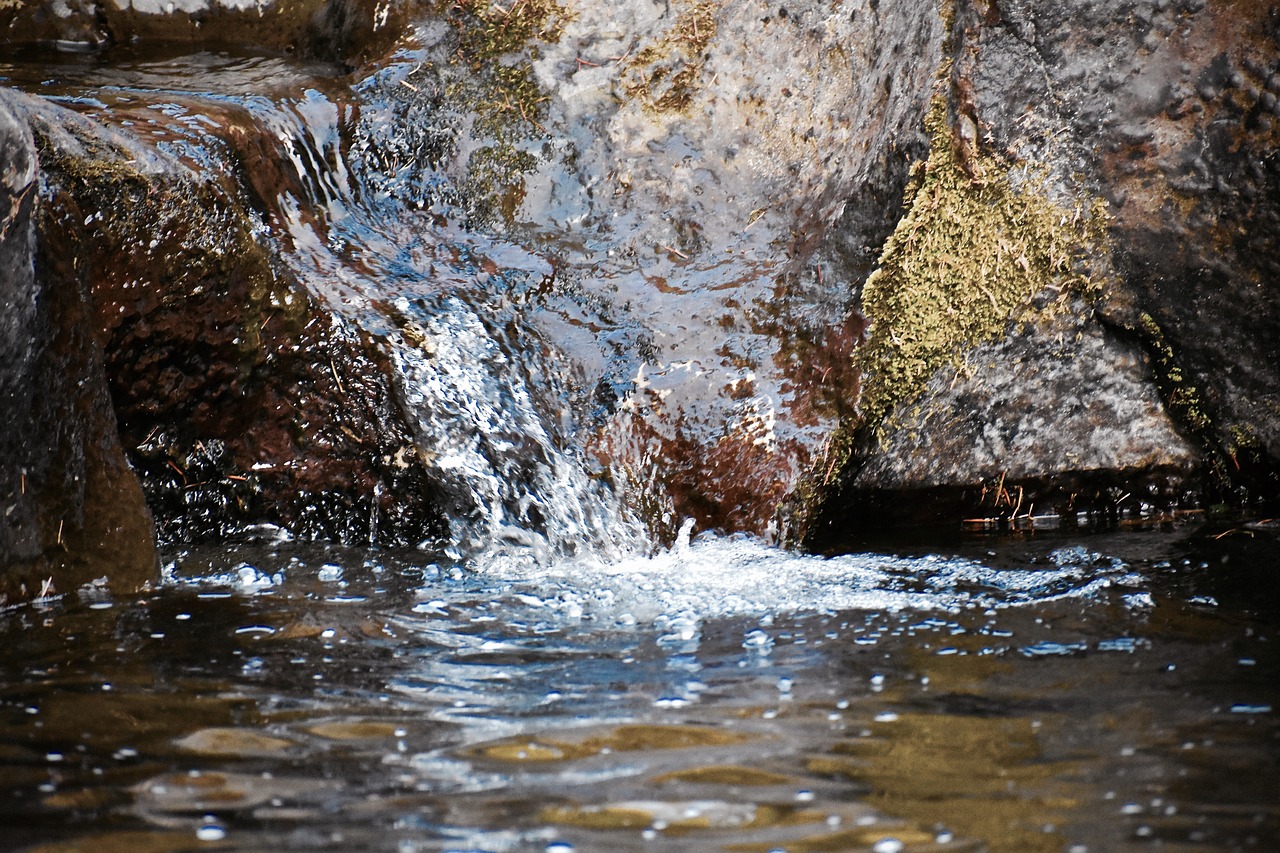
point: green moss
(665, 74)
(488, 30)
(971, 255)
(1186, 405)
(496, 43)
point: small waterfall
(489, 399)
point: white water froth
(518, 496)
(714, 577)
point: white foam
(739, 575)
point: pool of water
(1066, 693)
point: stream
(554, 682)
(1100, 692)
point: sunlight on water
(717, 576)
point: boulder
(71, 510)
(350, 32)
(1126, 362)
(240, 398)
(554, 267)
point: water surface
(1104, 692)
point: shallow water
(1103, 692)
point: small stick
(334, 371)
(673, 251)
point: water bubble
(1241, 708)
(559, 847)
(886, 717)
(210, 830)
(888, 845)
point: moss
(665, 74)
(488, 30)
(1186, 405)
(496, 43)
(972, 254)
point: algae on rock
(972, 254)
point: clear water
(1106, 692)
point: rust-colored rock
(240, 400)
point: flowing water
(1088, 692)
(552, 683)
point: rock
(766, 271)
(351, 32)
(1151, 384)
(239, 399)
(71, 510)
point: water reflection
(298, 696)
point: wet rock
(680, 165)
(71, 510)
(553, 253)
(348, 31)
(239, 399)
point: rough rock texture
(240, 400)
(773, 268)
(71, 511)
(1159, 388)
(680, 165)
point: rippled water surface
(1102, 692)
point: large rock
(71, 510)
(240, 399)
(1128, 362)
(348, 31)
(680, 167)
(770, 268)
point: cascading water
(490, 401)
